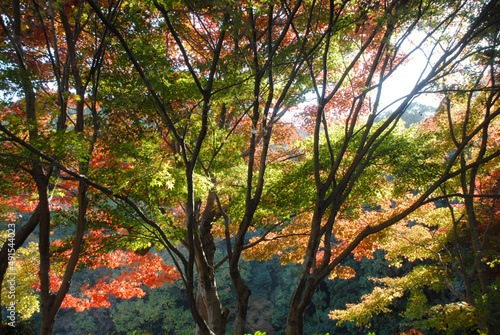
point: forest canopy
(156, 144)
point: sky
(404, 80)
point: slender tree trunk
(51, 303)
(208, 303)
(294, 322)
(47, 299)
(207, 298)
(242, 291)
(301, 298)
(243, 294)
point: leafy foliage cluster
(166, 310)
(159, 141)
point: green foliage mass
(17, 287)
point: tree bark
(243, 294)
(207, 298)
(47, 298)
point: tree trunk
(242, 291)
(243, 294)
(47, 299)
(47, 325)
(300, 300)
(295, 323)
(209, 306)
(207, 298)
(306, 284)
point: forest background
(229, 166)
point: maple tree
(183, 140)
(203, 145)
(48, 45)
(339, 167)
(458, 239)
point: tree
(255, 52)
(332, 191)
(340, 166)
(335, 182)
(43, 45)
(457, 239)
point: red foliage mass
(148, 270)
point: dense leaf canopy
(173, 139)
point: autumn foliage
(138, 270)
(133, 128)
